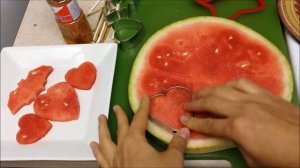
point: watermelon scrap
(29, 88)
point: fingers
(206, 125)
(140, 119)
(213, 104)
(249, 159)
(225, 92)
(179, 141)
(106, 145)
(99, 155)
(104, 134)
(245, 85)
(122, 122)
(235, 90)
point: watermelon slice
(203, 52)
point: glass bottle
(71, 21)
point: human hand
(264, 127)
(133, 149)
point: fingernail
(92, 143)
(184, 118)
(101, 117)
(184, 133)
(115, 108)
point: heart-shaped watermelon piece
(60, 103)
(168, 107)
(82, 77)
(32, 128)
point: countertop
(39, 26)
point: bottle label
(67, 13)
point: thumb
(179, 140)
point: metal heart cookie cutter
(163, 93)
(128, 31)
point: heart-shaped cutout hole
(32, 128)
(60, 103)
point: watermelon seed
(33, 73)
(230, 38)
(43, 101)
(185, 54)
(166, 63)
(159, 57)
(168, 54)
(15, 92)
(24, 136)
(217, 51)
(243, 64)
(66, 104)
(259, 53)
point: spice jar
(71, 21)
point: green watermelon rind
(206, 144)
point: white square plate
(66, 140)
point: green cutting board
(155, 14)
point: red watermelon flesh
(32, 128)
(216, 55)
(60, 103)
(204, 54)
(82, 77)
(211, 55)
(167, 108)
(29, 88)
